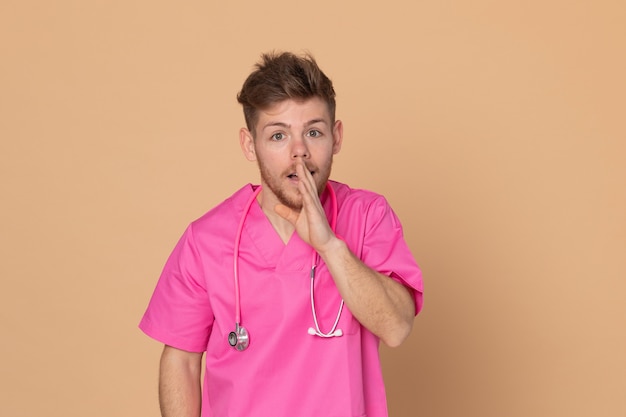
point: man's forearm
(179, 383)
(381, 304)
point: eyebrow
(314, 121)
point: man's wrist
(333, 247)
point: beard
(285, 192)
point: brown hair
(282, 76)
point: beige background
(495, 129)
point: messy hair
(283, 76)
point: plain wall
(495, 129)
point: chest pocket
(327, 304)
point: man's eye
(278, 136)
(315, 133)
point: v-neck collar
(295, 255)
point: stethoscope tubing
(246, 209)
(314, 259)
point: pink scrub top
(285, 371)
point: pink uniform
(285, 371)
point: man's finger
(286, 213)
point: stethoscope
(240, 338)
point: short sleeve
(179, 313)
(386, 251)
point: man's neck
(283, 228)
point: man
(259, 283)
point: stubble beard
(277, 186)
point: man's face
(288, 132)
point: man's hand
(310, 223)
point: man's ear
(337, 136)
(247, 144)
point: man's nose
(299, 148)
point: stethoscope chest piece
(239, 339)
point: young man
(288, 286)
